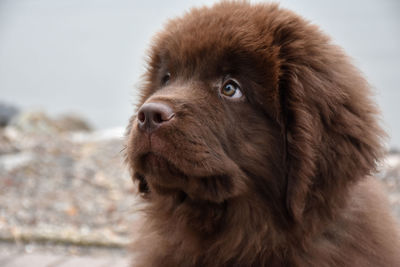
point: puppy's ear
(300, 132)
(329, 127)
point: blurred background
(68, 73)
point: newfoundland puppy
(254, 144)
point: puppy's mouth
(185, 169)
(159, 165)
(159, 174)
(164, 178)
(160, 170)
(144, 189)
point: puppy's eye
(165, 79)
(231, 89)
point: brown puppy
(254, 143)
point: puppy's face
(249, 109)
(206, 121)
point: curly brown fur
(278, 177)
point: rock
(33, 122)
(6, 143)
(64, 187)
(72, 123)
(98, 136)
(37, 122)
(17, 160)
(7, 113)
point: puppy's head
(243, 101)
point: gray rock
(72, 123)
(7, 113)
(37, 122)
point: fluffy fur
(278, 177)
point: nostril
(158, 118)
(141, 117)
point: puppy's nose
(152, 115)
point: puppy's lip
(148, 144)
(158, 162)
(151, 143)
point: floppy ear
(298, 131)
(329, 125)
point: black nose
(152, 115)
